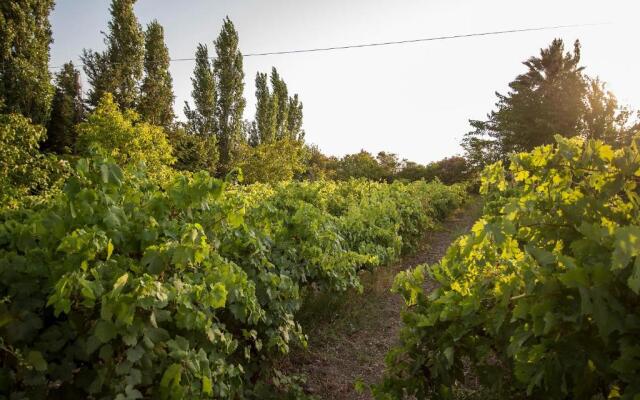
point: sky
(414, 100)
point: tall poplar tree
(281, 98)
(25, 36)
(67, 110)
(229, 77)
(201, 119)
(118, 70)
(278, 116)
(266, 111)
(200, 140)
(156, 100)
(294, 119)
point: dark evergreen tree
(118, 70)
(156, 100)
(229, 78)
(67, 110)
(545, 101)
(25, 36)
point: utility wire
(429, 39)
(408, 41)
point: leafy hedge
(542, 298)
(119, 287)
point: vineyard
(170, 230)
(119, 287)
(540, 299)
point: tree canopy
(67, 110)
(156, 98)
(25, 36)
(119, 69)
(124, 137)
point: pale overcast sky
(414, 99)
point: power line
(407, 41)
(429, 39)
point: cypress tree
(156, 100)
(25, 36)
(119, 68)
(67, 110)
(230, 105)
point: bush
(193, 152)
(123, 137)
(271, 162)
(120, 288)
(541, 298)
(24, 171)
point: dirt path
(350, 335)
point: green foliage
(278, 116)
(19, 155)
(359, 165)
(265, 124)
(156, 92)
(389, 165)
(123, 137)
(230, 102)
(198, 149)
(449, 170)
(540, 299)
(193, 152)
(120, 288)
(118, 293)
(603, 118)
(119, 68)
(271, 162)
(201, 120)
(553, 96)
(25, 36)
(545, 100)
(385, 167)
(67, 110)
(317, 165)
(23, 169)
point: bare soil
(350, 335)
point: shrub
(193, 152)
(541, 298)
(271, 162)
(24, 170)
(123, 137)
